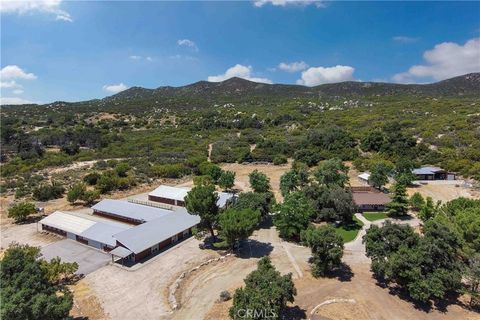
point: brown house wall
(115, 217)
(161, 200)
(145, 253)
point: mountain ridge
(460, 85)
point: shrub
(47, 192)
(90, 196)
(91, 178)
(279, 159)
(75, 192)
(172, 171)
(20, 211)
(225, 295)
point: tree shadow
(401, 218)
(266, 223)
(31, 219)
(253, 249)
(404, 295)
(294, 313)
(343, 273)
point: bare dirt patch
(142, 293)
(371, 301)
(85, 303)
(444, 191)
(243, 170)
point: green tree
(107, 182)
(76, 192)
(468, 222)
(91, 178)
(327, 248)
(27, 292)
(336, 204)
(379, 174)
(472, 278)
(20, 211)
(259, 181)
(46, 192)
(427, 267)
(265, 291)
(237, 224)
(57, 271)
(122, 168)
(332, 173)
(262, 202)
(293, 215)
(89, 196)
(227, 180)
(428, 210)
(381, 242)
(373, 141)
(399, 204)
(210, 169)
(288, 182)
(202, 201)
(416, 201)
(405, 178)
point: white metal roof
(179, 194)
(94, 230)
(146, 235)
(121, 252)
(364, 176)
(67, 222)
(130, 210)
(103, 232)
(170, 192)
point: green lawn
(349, 232)
(372, 216)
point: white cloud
(318, 75)
(240, 71)
(42, 6)
(445, 60)
(187, 43)
(9, 84)
(17, 91)
(293, 67)
(138, 58)
(283, 3)
(14, 100)
(15, 72)
(115, 88)
(405, 39)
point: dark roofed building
(432, 173)
(369, 199)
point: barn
(175, 196)
(98, 234)
(127, 230)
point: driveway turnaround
(88, 258)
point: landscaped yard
(372, 216)
(349, 232)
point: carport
(120, 252)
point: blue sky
(54, 50)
